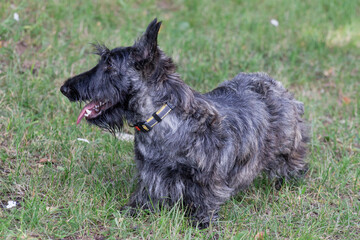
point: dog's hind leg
(291, 164)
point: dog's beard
(111, 119)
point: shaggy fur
(211, 145)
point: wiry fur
(211, 145)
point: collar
(154, 119)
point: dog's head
(119, 75)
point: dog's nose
(65, 90)
(69, 92)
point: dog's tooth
(88, 112)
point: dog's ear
(146, 49)
(100, 49)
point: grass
(71, 189)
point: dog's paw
(204, 222)
(279, 183)
(129, 211)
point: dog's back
(257, 106)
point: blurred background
(62, 181)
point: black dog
(200, 149)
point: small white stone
(274, 22)
(83, 140)
(11, 204)
(125, 137)
(16, 17)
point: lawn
(65, 188)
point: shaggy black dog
(197, 148)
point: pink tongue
(88, 106)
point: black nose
(65, 90)
(70, 92)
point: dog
(199, 149)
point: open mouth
(93, 110)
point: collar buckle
(142, 127)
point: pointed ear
(100, 49)
(147, 45)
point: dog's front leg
(202, 204)
(203, 216)
(141, 199)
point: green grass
(315, 52)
